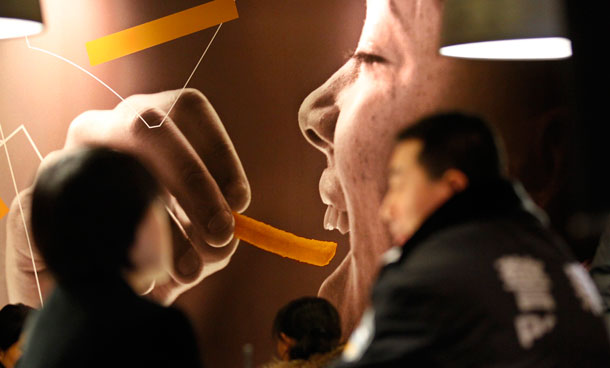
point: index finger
(201, 126)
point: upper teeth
(335, 219)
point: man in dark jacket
(476, 278)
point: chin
(348, 287)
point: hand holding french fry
(193, 157)
(205, 189)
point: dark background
(590, 197)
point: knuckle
(193, 99)
(193, 177)
(194, 95)
(152, 117)
(220, 149)
(79, 126)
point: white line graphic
(4, 141)
(118, 95)
(25, 226)
(25, 131)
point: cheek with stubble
(362, 149)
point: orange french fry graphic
(283, 243)
(158, 31)
(3, 209)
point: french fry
(283, 243)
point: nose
(320, 111)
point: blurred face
(151, 253)
(412, 195)
(391, 80)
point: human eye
(368, 58)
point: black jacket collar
(486, 200)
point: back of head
(85, 211)
(312, 322)
(459, 141)
(12, 319)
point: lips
(332, 195)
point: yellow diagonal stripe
(153, 33)
(3, 209)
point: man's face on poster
(354, 116)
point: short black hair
(85, 210)
(12, 319)
(460, 141)
(313, 322)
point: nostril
(315, 139)
(318, 118)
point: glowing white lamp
(20, 18)
(505, 29)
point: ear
(287, 339)
(286, 343)
(455, 179)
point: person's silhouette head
(96, 214)
(305, 327)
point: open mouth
(332, 195)
(336, 220)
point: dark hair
(313, 322)
(85, 211)
(459, 141)
(12, 318)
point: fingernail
(220, 222)
(238, 196)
